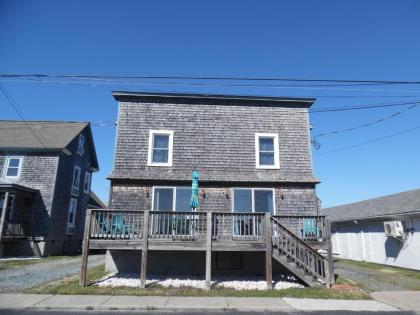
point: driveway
(23, 277)
(373, 277)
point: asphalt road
(156, 312)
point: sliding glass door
(173, 199)
(246, 202)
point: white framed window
(81, 145)
(160, 148)
(86, 183)
(76, 178)
(10, 205)
(71, 218)
(253, 200)
(13, 166)
(267, 151)
(171, 198)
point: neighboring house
(95, 202)
(45, 174)
(382, 230)
(254, 159)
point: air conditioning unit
(394, 228)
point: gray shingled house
(45, 174)
(258, 209)
(382, 230)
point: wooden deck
(209, 232)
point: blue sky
(373, 40)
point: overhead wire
(369, 142)
(19, 111)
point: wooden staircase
(298, 257)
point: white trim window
(86, 183)
(13, 167)
(251, 200)
(81, 145)
(260, 200)
(76, 178)
(267, 150)
(171, 198)
(71, 218)
(160, 148)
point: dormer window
(160, 148)
(267, 150)
(13, 167)
(81, 145)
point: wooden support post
(208, 250)
(268, 251)
(330, 274)
(143, 267)
(3, 220)
(85, 248)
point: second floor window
(76, 178)
(160, 148)
(86, 184)
(81, 145)
(267, 151)
(13, 166)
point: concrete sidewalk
(404, 300)
(103, 302)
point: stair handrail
(323, 273)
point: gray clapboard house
(258, 209)
(45, 174)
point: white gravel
(237, 283)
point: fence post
(268, 251)
(330, 273)
(85, 248)
(143, 268)
(208, 249)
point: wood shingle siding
(217, 140)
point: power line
(106, 85)
(359, 107)
(369, 142)
(365, 124)
(105, 81)
(19, 111)
(79, 76)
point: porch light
(203, 194)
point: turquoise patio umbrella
(194, 190)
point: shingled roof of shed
(395, 204)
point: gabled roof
(42, 135)
(94, 200)
(397, 204)
(184, 98)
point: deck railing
(227, 225)
(128, 224)
(178, 225)
(298, 252)
(306, 227)
(14, 229)
(116, 224)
